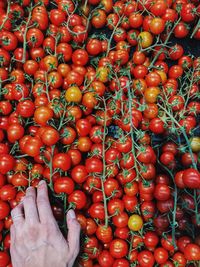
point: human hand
(36, 239)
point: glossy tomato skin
(64, 185)
(68, 135)
(130, 203)
(122, 232)
(120, 220)
(78, 198)
(4, 209)
(167, 243)
(91, 247)
(149, 171)
(161, 222)
(25, 108)
(115, 205)
(49, 135)
(156, 126)
(187, 12)
(94, 165)
(180, 258)
(191, 178)
(75, 156)
(4, 258)
(90, 227)
(104, 234)
(148, 210)
(162, 192)
(179, 179)
(161, 255)
(135, 222)
(147, 155)
(79, 173)
(192, 252)
(97, 211)
(62, 161)
(131, 189)
(121, 263)
(118, 248)
(151, 239)
(146, 258)
(97, 196)
(111, 185)
(7, 163)
(105, 259)
(182, 242)
(7, 192)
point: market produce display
(100, 99)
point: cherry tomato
(118, 248)
(135, 222)
(192, 252)
(64, 185)
(191, 178)
(7, 163)
(146, 258)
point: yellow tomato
(73, 94)
(145, 39)
(135, 222)
(195, 144)
(163, 75)
(102, 74)
(151, 94)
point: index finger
(43, 204)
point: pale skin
(36, 239)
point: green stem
(25, 33)
(51, 167)
(112, 34)
(7, 14)
(166, 41)
(131, 131)
(184, 134)
(195, 29)
(103, 177)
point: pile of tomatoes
(97, 100)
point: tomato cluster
(96, 100)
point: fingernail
(42, 182)
(71, 214)
(29, 188)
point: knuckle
(31, 228)
(32, 231)
(29, 199)
(47, 227)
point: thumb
(73, 236)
